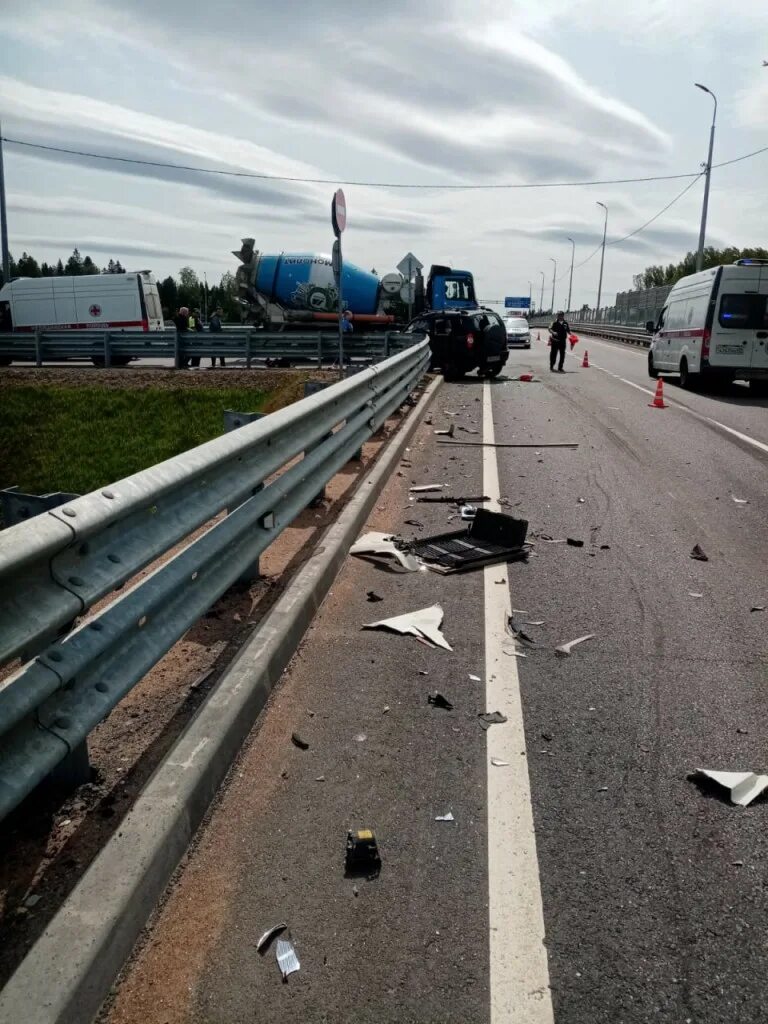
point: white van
(128, 302)
(714, 326)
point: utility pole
(602, 254)
(705, 204)
(554, 279)
(3, 218)
(541, 297)
(570, 281)
(530, 296)
(205, 297)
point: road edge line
(519, 968)
(69, 972)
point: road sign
(338, 212)
(517, 302)
(408, 265)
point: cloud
(117, 248)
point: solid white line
(692, 412)
(519, 970)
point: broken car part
(362, 854)
(266, 939)
(384, 544)
(565, 649)
(743, 787)
(698, 554)
(489, 718)
(437, 700)
(491, 537)
(287, 960)
(424, 624)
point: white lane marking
(519, 970)
(692, 412)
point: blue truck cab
(450, 289)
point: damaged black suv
(463, 340)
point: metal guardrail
(615, 332)
(55, 567)
(116, 348)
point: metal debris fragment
(424, 488)
(445, 817)
(266, 939)
(740, 501)
(448, 432)
(565, 649)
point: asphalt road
(652, 889)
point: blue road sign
(517, 302)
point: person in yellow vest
(195, 323)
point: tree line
(186, 290)
(656, 276)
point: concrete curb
(70, 970)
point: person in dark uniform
(558, 336)
(181, 323)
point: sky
(494, 92)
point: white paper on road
(383, 544)
(426, 487)
(743, 786)
(565, 649)
(424, 624)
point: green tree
(46, 270)
(656, 276)
(74, 265)
(27, 266)
(89, 267)
(189, 288)
(59, 269)
(169, 295)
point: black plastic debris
(757, 608)
(698, 554)
(491, 537)
(297, 741)
(490, 718)
(517, 631)
(461, 500)
(362, 854)
(414, 522)
(572, 542)
(373, 597)
(437, 700)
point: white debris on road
(424, 624)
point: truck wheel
(688, 380)
(5, 361)
(758, 388)
(653, 373)
(493, 371)
(452, 372)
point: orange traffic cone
(585, 361)
(658, 399)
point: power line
(338, 181)
(737, 159)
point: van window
(153, 306)
(744, 312)
(457, 288)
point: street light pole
(705, 204)
(602, 255)
(554, 280)
(570, 280)
(6, 260)
(541, 297)
(530, 296)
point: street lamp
(570, 280)
(530, 295)
(602, 255)
(703, 228)
(554, 279)
(541, 297)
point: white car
(518, 332)
(714, 326)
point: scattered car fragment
(424, 488)
(424, 624)
(698, 554)
(497, 763)
(491, 537)
(437, 700)
(266, 939)
(297, 741)
(287, 960)
(384, 544)
(565, 649)
(362, 854)
(489, 718)
(445, 817)
(743, 787)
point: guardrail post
(319, 352)
(248, 349)
(107, 351)
(38, 349)
(73, 771)
(233, 421)
(176, 350)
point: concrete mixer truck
(298, 289)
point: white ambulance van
(714, 326)
(127, 302)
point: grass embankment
(80, 438)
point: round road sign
(339, 212)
